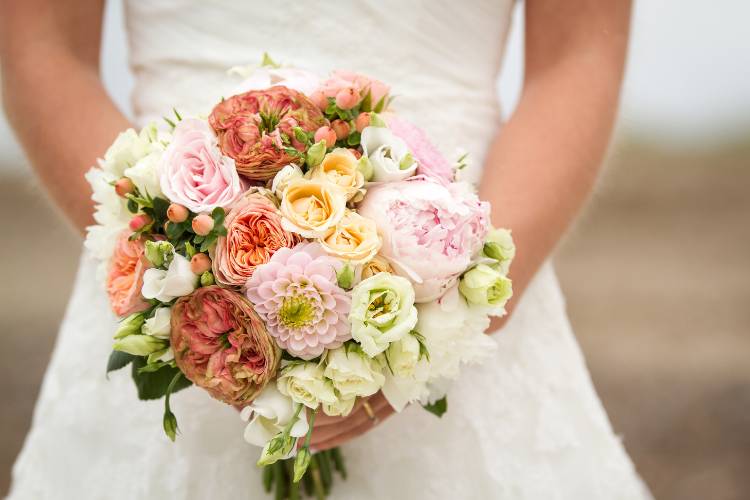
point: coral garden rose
(256, 127)
(193, 171)
(297, 295)
(254, 233)
(339, 167)
(430, 231)
(355, 239)
(125, 277)
(221, 345)
(312, 208)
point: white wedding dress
(525, 425)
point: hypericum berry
(177, 213)
(139, 221)
(200, 263)
(341, 128)
(124, 187)
(362, 121)
(327, 135)
(203, 224)
(347, 98)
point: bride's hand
(330, 432)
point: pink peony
(345, 83)
(430, 230)
(256, 127)
(194, 173)
(221, 345)
(125, 277)
(254, 234)
(297, 294)
(431, 162)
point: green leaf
(160, 209)
(153, 385)
(380, 106)
(119, 359)
(218, 215)
(175, 230)
(354, 139)
(179, 118)
(437, 408)
(132, 206)
(366, 104)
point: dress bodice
(441, 57)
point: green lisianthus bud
(207, 278)
(406, 162)
(315, 154)
(301, 463)
(276, 449)
(377, 121)
(139, 345)
(499, 246)
(364, 166)
(130, 325)
(345, 276)
(159, 253)
(486, 286)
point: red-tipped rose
(221, 344)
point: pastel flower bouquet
(298, 249)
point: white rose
(305, 383)
(283, 177)
(129, 147)
(145, 174)
(453, 333)
(341, 408)
(388, 155)
(166, 286)
(406, 378)
(159, 325)
(352, 372)
(269, 414)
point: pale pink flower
(430, 161)
(430, 230)
(194, 173)
(298, 296)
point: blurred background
(655, 271)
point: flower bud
(341, 128)
(177, 213)
(207, 279)
(301, 463)
(345, 276)
(139, 221)
(159, 253)
(319, 100)
(362, 121)
(347, 98)
(139, 345)
(124, 186)
(200, 263)
(326, 134)
(316, 153)
(485, 286)
(130, 325)
(202, 224)
(364, 166)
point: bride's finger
(343, 437)
(360, 420)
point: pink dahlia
(256, 127)
(298, 296)
(431, 163)
(221, 344)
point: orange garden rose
(221, 344)
(254, 233)
(254, 128)
(125, 277)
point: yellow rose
(312, 208)
(355, 239)
(376, 265)
(340, 167)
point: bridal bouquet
(298, 249)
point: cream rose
(340, 168)
(312, 208)
(486, 286)
(305, 383)
(377, 264)
(353, 373)
(355, 239)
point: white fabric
(526, 425)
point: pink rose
(347, 81)
(430, 161)
(430, 230)
(193, 171)
(254, 233)
(221, 344)
(125, 277)
(256, 127)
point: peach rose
(125, 277)
(355, 239)
(312, 208)
(374, 266)
(254, 233)
(340, 167)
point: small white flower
(159, 325)
(352, 372)
(145, 174)
(283, 177)
(341, 408)
(305, 383)
(388, 155)
(407, 373)
(166, 286)
(269, 414)
(129, 147)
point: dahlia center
(296, 312)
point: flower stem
(320, 493)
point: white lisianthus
(145, 174)
(382, 312)
(283, 177)
(499, 246)
(407, 373)
(305, 383)
(388, 155)
(353, 372)
(176, 281)
(269, 414)
(129, 147)
(454, 333)
(341, 408)
(486, 286)
(159, 325)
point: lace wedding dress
(525, 425)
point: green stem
(325, 470)
(320, 493)
(268, 478)
(293, 487)
(338, 461)
(280, 481)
